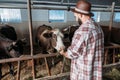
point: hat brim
(73, 10)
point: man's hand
(61, 51)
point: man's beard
(79, 22)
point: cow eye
(47, 35)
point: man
(87, 47)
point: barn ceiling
(94, 2)
(22, 3)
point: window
(117, 17)
(10, 15)
(56, 16)
(96, 16)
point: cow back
(8, 32)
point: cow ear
(48, 35)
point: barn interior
(41, 15)
(27, 15)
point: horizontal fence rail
(27, 57)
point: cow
(111, 36)
(69, 31)
(10, 47)
(49, 39)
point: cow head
(55, 38)
(58, 36)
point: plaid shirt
(86, 52)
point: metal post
(111, 20)
(47, 67)
(31, 34)
(18, 71)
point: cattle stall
(31, 58)
(30, 5)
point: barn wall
(41, 17)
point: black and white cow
(10, 47)
(49, 39)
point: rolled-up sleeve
(76, 47)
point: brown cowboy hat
(83, 7)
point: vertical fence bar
(47, 67)
(31, 34)
(111, 21)
(18, 71)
